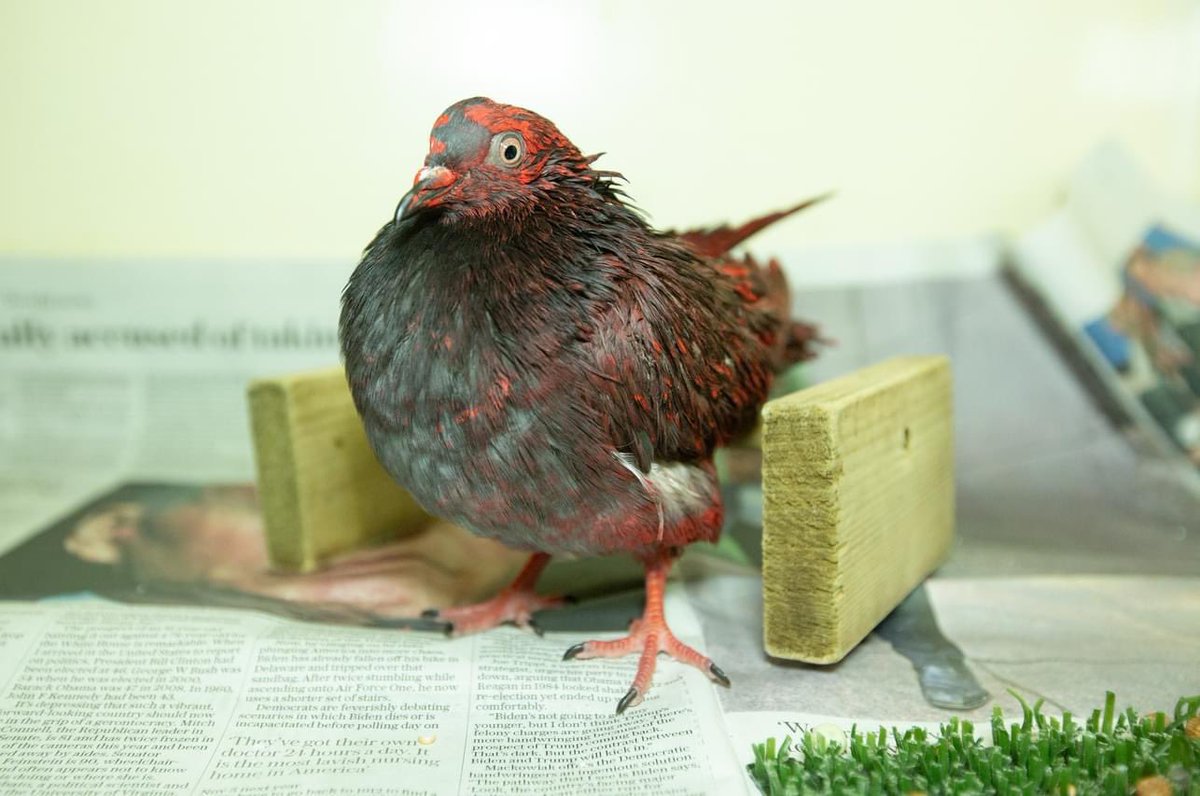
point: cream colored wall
(278, 129)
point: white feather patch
(677, 489)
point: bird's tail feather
(719, 241)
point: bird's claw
(528, 624)
(435, 615)
(632, 697)
(647, 638)
(512, 606)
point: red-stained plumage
(535, 363)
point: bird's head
(485, 157)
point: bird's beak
(428, 187)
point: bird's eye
(508, 149)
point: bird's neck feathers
(553, 223)
(565, 191)
(480, 269)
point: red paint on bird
(745, 291)
(540, 134)
(540, 267)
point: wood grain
(321, 488)
(858, 508)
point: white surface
(277, 129)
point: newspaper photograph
(204, 544)
(1151, 337)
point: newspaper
(137, 699)
(118, 371)
(1118, 271)
(116, 374)
(112, 375)
(120, 699)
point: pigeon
(533, 361)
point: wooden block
(321, 488)
(858, 503)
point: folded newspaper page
(151, 699)
(1117, 270)
(118, 371)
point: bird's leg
(648, 636)
(515, 604)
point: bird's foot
(648, 637)
(514, 605)
(509, 607)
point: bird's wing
(762, 287)
(677, 363)
(765, 290)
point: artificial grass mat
(1110, 753)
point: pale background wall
(240, 128)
